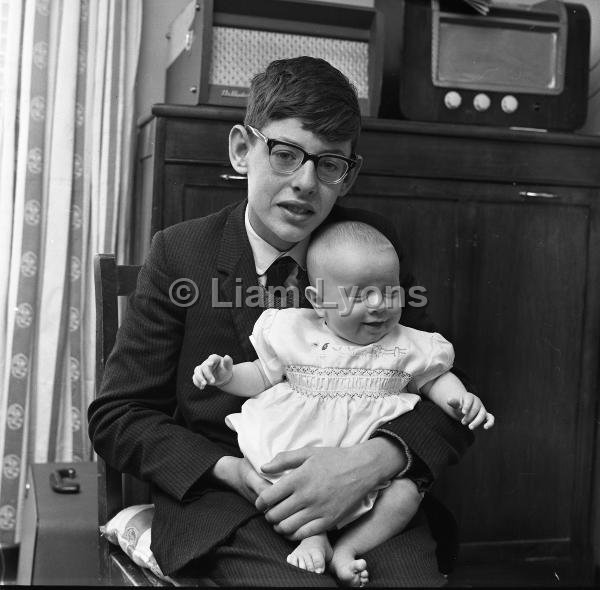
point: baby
(331, 375)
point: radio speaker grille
(238, 54)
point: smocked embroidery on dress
(374, 350)
(332, 382)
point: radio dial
(482, 102)
(509, 104)
(452, 100)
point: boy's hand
(215, 370)
(240, 476)
(321, 485)
(470, 411)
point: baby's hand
(470, 410)
(215, 370)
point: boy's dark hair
(309, 89)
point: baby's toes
(318, 561)
(301, 560)
(359, 569)
(310, 564)
(359, 565)
(350, 573)
(292, 559)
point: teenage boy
(214, 515)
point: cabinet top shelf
(397, 126)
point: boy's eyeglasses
(286, 158)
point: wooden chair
(115, 490)
(118, 490)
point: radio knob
(452, 100)
(509, 104)
(482, 102)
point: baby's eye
(372, 296)
(393, 295)
(353, 294)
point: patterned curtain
(66, 161)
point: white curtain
(66, 162)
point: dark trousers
(256, 556)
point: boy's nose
(305, 178)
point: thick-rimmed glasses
(286, 158)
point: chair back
(115, 490)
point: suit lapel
(237, 276)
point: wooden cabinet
(502, 227)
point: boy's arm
(242, 379)
(132, 421)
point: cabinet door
(195, 190)
(506, 280)
(519, 333)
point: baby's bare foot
(349, 570)
(312, 554)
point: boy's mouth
(296, 209)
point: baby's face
(361, 294)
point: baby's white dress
(327, 391)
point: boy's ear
(313, 296)
(351, 176)
(239, 145)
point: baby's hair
(343, 234)
(309, 89)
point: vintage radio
(216, 46)
(518, 66)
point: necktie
(279, 271)
(277, 276)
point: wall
(150, 84)
(157, 14)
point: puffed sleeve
(439, 359)
(261, 340)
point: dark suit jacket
(151, 421)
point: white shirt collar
(265, 254)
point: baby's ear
(312, 294)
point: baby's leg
(393, 510)
(312, 554)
